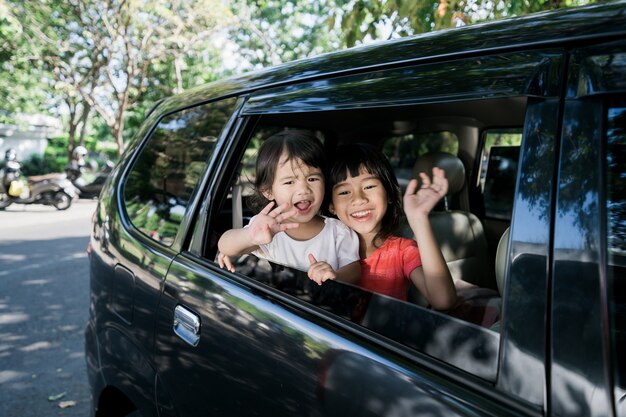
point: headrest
(452, 165)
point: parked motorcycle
(52, 190)
(88, 189)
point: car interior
(415, 138)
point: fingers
(229, 264)
(283, 216)
(425, 180)
(411, 187)
(267, 208)
(277, 213)
(224, 261)
(439, 183)
(320, 277)
(440, 180)
(279, 217)
(319, 272)
(270, 221)
(287, 226)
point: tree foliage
(105, 56)
(141, 37)
(363, 20)
(22, 83)
(105, 62)
(270, 32)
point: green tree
(375, 19)
(270, 32)
(9, 31)
(141, 36)
(66, 50)
(22, 83)
(109, 57)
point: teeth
(361, 213)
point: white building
(30, 135)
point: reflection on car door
(257, 355)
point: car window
(498, 172)
(616, 242)
(475, 317)
(165, 174)
(404, 150)
(402, 113)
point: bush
(56, 153)
(36, 165)
(55, 156)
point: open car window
(415, 122)
(452, 336)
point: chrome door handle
(187, 325)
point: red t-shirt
(387, 270)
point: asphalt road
(44, 305)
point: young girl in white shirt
(289, 186)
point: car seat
(460, 234)
(501, 259)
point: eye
(342, 192)
(313, 179)
(288, 182)
(369, 186)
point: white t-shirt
(336, 244)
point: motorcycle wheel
(61, 201)
(5, 201)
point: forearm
(437, 282)
(350, 273)
(235, 242)
(440, 290)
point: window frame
(136, 149)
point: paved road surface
(44, 306)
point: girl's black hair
(297, 144)
(355, 157)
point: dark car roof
(539, 30)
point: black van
(533, 110)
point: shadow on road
(44, 306)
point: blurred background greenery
(100, 65)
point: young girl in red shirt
(366, 197)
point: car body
(172, 334)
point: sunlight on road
(12, 318)
(53, 261)
(12, 257)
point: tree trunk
(71, 133)
(83, 123)
(118, 132)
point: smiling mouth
(303, 205)
(361, 215)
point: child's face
(299, 185)
(360, 203)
